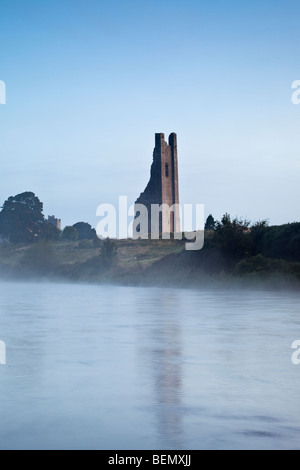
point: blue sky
(90, 82)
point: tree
(85, 231)
(281, 242)
(210, 223)
(21, 218)
(69, 233)
(50, 232)
(108, 252)
(231, 237)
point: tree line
(237, 238)
(22, 221)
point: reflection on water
(164, 356)
(92, 367)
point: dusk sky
(90, 82)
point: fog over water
(107, 367)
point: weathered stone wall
(162, 187)
(54, 221)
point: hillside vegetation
(269, 254)
(234, 252)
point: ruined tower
(162, 188)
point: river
(108, 367)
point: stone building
(54, 221)
(162, 189)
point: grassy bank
(146, 262)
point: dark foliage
(85, 231)
(108, 252)
(21, 218)
(210, 223)
(281, 242)
(69, 233)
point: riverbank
(145, 262)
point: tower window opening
(167, 170)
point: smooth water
(94, 367)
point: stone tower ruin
(162, 188)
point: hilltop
(234, 252)
(157, 262)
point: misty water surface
(103, 367)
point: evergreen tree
(210, 223)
